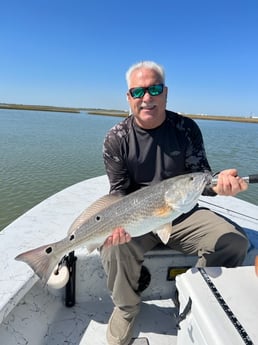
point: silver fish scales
(152, 208)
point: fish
(152, 208)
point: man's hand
(118, 236)
(229, 183)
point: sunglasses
(153, 90)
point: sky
(76, 53)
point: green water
(43, 152)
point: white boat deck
(29, 311)
(83, 324)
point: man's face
(149, 111)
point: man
(151, 145)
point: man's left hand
(229, 183)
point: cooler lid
(224, 303)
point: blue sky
(75, 53)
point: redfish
(152, 208)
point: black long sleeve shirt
(135, 157)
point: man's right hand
(118, 236)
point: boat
(78, 313)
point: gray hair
(146, 64)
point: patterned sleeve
(196, 159)
(115, 164)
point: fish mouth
(208, 179)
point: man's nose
(146, 96)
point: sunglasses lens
(155, 90)
(137, 92)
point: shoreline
(119, 113)
(8, 106)
(192, 116)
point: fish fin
(42, 260)
(91, 247)
(164, 232)
(163, 211)
(94, 208)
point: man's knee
(116, 253)
(108, 252)
(234, 247)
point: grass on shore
(119, 113)
(193, 116)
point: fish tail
(42, 260)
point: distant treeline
(193, 116)
(38, 107)
(119, 113)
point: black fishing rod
(249, 179)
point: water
(43, 152)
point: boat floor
(85, 323)
(156, 322)
(31, 314)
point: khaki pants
(214, 239)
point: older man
(150, 145)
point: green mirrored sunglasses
(153, 90)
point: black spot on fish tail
(48, 250)
(42, 260)
(72, 237)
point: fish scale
(152, 208)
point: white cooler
(218, 306)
